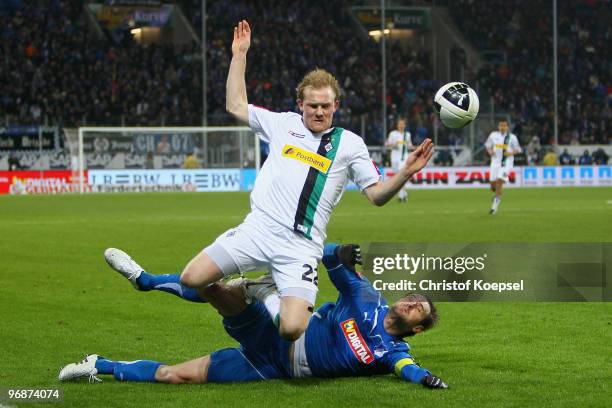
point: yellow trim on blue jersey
(312, 159)
(401, 364)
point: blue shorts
(262, 355)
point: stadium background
(67, 64)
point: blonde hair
(317, 79)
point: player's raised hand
(242, 38)
(419, 157)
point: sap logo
(356, 342)
(568, 173)
(530, 173)
(549, 173)
(292, 133)
(605, 172)
(586, 173)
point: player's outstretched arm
(381, 192)
(236, 101)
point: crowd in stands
(55, 70)
(522, 83)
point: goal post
(161, 149)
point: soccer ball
(457, 104)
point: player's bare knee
(190, 278)
(291, 331)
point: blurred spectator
(533, 150)
(550, 158)
(191, 162)
(13, 163)
(163, 146)
(444, 158)
(149, 163)
(600, 157)
(585, 159)
(566, 159)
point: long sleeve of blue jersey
(404, 366)
(344, 279)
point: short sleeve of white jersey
(514, 145)
(393, 138)
(362, 169)
(489, 143)
(263, 122)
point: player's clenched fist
(242, 38)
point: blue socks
(105, 366)
(139, 370)
(170, 283)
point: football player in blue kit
(358, 335)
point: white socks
(272, 303)
(496, 201)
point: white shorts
(397, 165)
(261, 243)
(499, 173)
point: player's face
(318, 108)
(502, 127)
(412, 313)
(401, 125)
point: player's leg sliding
(93, 365)
(141, 280)
(264, 290)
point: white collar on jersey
(325, 132)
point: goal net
(118, 159)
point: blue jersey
(347, 338)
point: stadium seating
(56, 73)
(523, 84)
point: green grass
(59, 300)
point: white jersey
(304, 175)
(500, 144)
(399, 151)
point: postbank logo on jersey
(356, 342)
(312, 159)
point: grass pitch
(59, 301)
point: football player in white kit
(400, 143)
(501, 146)
(298, 186)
